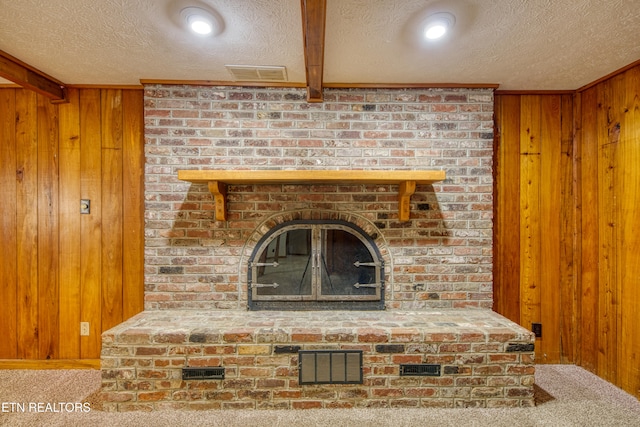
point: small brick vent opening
(203, 373)
(420, 370)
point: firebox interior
(316, 265)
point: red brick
(152, 374)
(154, 396)
(170, 337)
(219, 395)
(473, 359)
(255, 372)
(502, 337)
(406, 358)
(339, 336)
(239, 336)
(438, 337)
(287, 394)
(270, 383)
(184, 349)
(372, 335)
(240, 361)
(455, 348)
(339, 405)
(254, 394)
(186, 395)
(219, 349)
(204, 361)
(405, 335)
(375, 382)
(521, 370)
(472, 337)
(306, 335)
(387, 392)
(305, 404)
(353, 394)
(236, 383)
(488, 370)
(520, 392)
(503, 358)
(203, 385)
(151, 351)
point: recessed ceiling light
(437, 25)
(200, 21)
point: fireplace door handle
(366, 264)
(366, 285)
(265, 264)
(265, 285)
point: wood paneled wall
(534, 278)
(60, 268)
(567, 227)
(609, 144)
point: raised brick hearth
(486, 360)
(437, 287)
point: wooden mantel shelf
(217, 181)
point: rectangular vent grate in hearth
(422, 370)
(203, 373)
(330, 366)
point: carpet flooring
(566, 395)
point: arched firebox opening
(316, 265)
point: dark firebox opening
(316, 265)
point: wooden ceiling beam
(314, 14)
(28, 77)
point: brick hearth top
(360, 326)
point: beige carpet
(566, 396)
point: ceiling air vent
(257, 73)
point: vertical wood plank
(27, 211)
(608, 135)
(568, 229)
(8, 193)
(530, 212)
(111, 123)
(550, 211)
(588, 297)
(507, 202)
(48, 262)
(70, 226)
(91, 225)
(133, 203)
(628, 237)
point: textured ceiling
(518, 44)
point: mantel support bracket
(219, 191)
(405, 191)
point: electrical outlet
(84, 329)
(536, 328)
(85, 206)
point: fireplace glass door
(315, 265)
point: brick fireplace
(437, 265)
